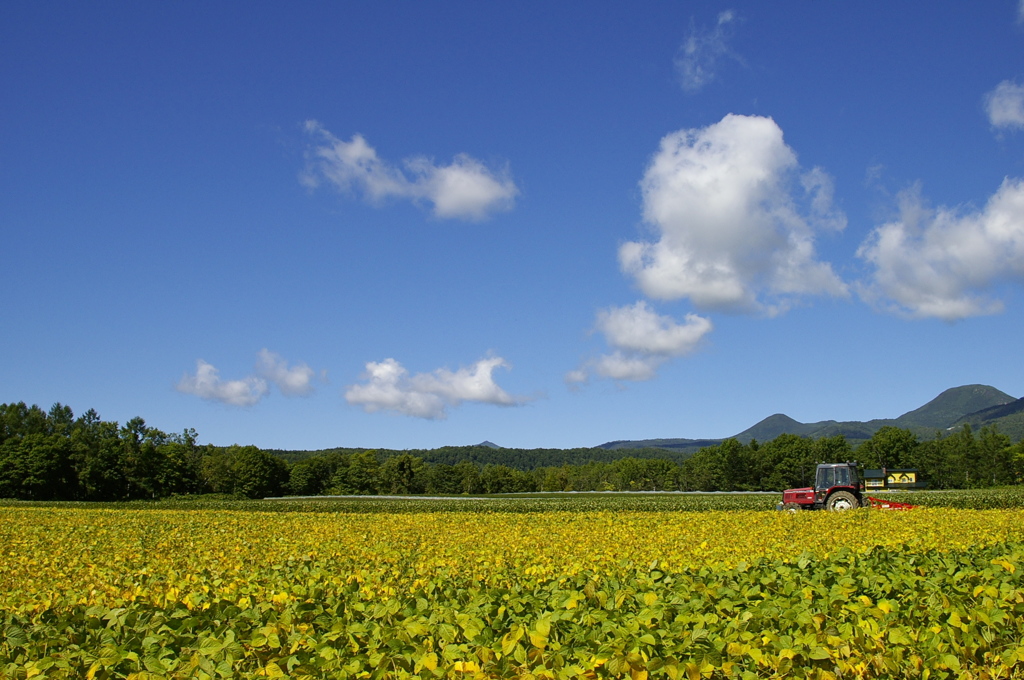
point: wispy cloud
(735, 227)
(207, 384)
(698, 59)
(943, 263)
(388, 386)
(642, 341)
(464, 189)
(1005, 105)
(295, 380)
(271, 369)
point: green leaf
(272, 670)
(416, 628)
(154, 664)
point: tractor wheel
(842, 500)
(792, 507)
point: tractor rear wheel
(842, 500)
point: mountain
(946, 409)
(772, 426)
(671, 444)
(976, 405)
(1008, 418)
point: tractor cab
(836, 487)
(832, 475)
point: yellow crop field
(171, 593)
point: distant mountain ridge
(974, 405)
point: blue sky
(412, 225)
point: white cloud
(464, 189)
(637, 328)
(642, 341)
(389, 387)
(633, 367)
(943, 263)
(1005, 105)
(726, 207)
(294, 381)
(699, 55)
(271, 369)
(206, 383)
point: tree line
(519, 459)
(52, 455)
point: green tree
(890, 447)
(60, 420)
(258, 474)
(469, 477)
(96, 451)
(217, 469)
(556, 479)
(312, 477)
(36, 467)
(180, 465)
(594, 476)
(503, 479)
(402, 474)
(955, 469)
(788, 462)
(647, 474)
(1016, 455)
(141, 460)
(442, 478)
(360, 476)
(929, 459)
(725, 467)
(994, 464)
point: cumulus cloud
(632, 367)
(390, 387)
(207, 384)
(295, 380)
(464, 189)
(699, 56)
(735, 229)
(1005, 105)
(637, 328)
(642, 341)
(271, 369)
(944, 263)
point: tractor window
(826, 478)
(842, 476)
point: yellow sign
(902, 478)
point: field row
(972, 499)
(747, 594)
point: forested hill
(519, 459)
(1008, 418)
(54, 456)
(976, 405)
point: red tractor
(836, 487)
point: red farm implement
(880, 504)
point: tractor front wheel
(842, 500)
